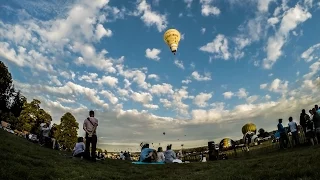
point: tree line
(27, 116)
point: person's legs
(53, 143)
(295, 138)
(87, 148)
(93, 147)
(80, 155)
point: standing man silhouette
(90, 127)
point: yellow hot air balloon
(172, 38)
(249, 127)
(226, 144)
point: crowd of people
(310, 123)
(149, 155)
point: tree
(66, 133)
(32, 116)
(6, 87)
(18, 101)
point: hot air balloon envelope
(226, 144)
(172, 38)
(249, 127)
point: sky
(238, 61)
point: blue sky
(238, 62)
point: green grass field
(20, 159)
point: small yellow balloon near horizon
(172, 38)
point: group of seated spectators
(45, 136)
(125, 155)
(150, 155)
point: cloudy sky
(238, 61)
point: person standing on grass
(283, 135)
(90, 127)
(310, 133)
(293, 128)
(303, 120)
(316, 121)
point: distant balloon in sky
(172, 38)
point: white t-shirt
(161, 157)
(79, 148)
(293, 126)
(45, 131)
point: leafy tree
(32, 116)
(66, 133)
(6, 87)
(18, 101)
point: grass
(20, 159)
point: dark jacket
(316, 120)
(303, 120)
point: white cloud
(192, 65)
(111, 97)
(142, 97)
(228, 94)
(101, 32)
(273, 21)
(154, 76)
(201, 99)
(291, 19)
(242, 93)
(279, 86)
(55, 80)
(207, 9)
(151, 106)
(182, 36)
(179, 64)
(150, 17)
(188, 2)
(203, 30)
(263, 86)
(314, 69)
(219, 47)
(187, 81)
(163, 88)
(90, 77)
(109, 80)
(310, 54)
(252, 99)
(263, 5)
(198, 77)
(153, 54)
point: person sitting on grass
(160, 155)
(169, 154)
(79, 148)
(147, 154)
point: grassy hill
(20, 159)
